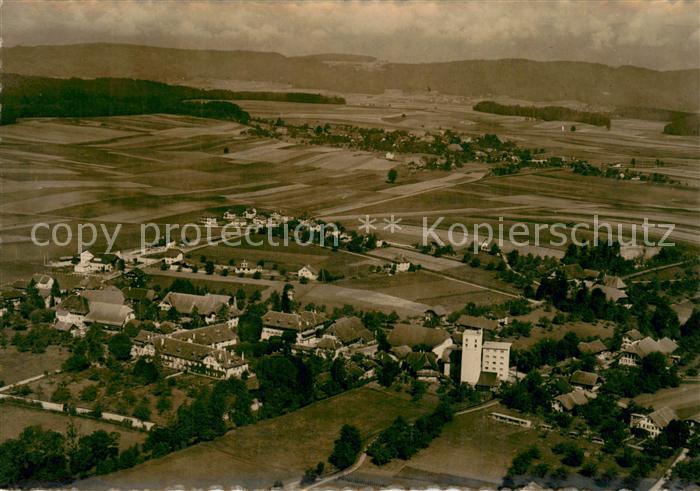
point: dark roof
(477, 322)
(420, 360)
(412, 335)
(74, 304)
(437, 310)
(572, 399)
(584, 378)
(349, 330)
(188, 351)
(138, 294)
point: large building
(471, 356)
(303, 324)
(479, 358)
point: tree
(392, 175)
(209, 267)
(120, 346)
(346, 448)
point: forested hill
(591, 83)
(25, 97)
(547, 113)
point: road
(363, 456)
(650, 270)
(661, 483)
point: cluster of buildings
(105, 307)
(201, 351)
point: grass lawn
(16, 366)
(14, 418)
(276, 449)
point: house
(88, 263)
(632, 252)
(173, 256)
(587, 380)
(436, 311)
(630, 337)
(189, 356)
(209, 221)
(208, 305)
(217, 336)
(472, 322)
(43, 282)
(308, 272)
(612, 281)
(133, 295)
(655, 422)
(479, 356)
(11, 297)
(567, 402)
(414, 335)
(495, 357)
(304, 324)
(636, 351)
(71, 312)
(400, 264)
(250, 213)
(592, 347)
(109, 314)
(349, 331)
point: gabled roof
(108, 313)
(477, 322)
(349, 330)
(292, 321)
(329, 344)
(185, 303)
(75, 304)
(612, 294)
(572, 399)
(110, 294)
(208, 335)
(420, 360)
(648, 345)
(437, 310)
(614, 282)
(310, 268)
(592, 347)
(11, 295)
(412, 335)
(634, 335)
(138, 294)
(175, 348)
(662, 417)
(580, 377)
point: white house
(217, 336)
(250, 213)
(72, 312)
(88, 263)
(308, 272)
(401, 264)
(655, 422)
(173, 256)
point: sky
(662, 35)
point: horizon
(660, 35)
(324, 53)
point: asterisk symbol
(367, 224)
(392, 224)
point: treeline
(26, 97)
(547, 113)
(403, 440)
(49, 457)
(301, 97)
(686, 125)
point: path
(363, 456)
(28, 380)
(651, 270)
(661, 483)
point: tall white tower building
(471, 356)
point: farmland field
(276, 449)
